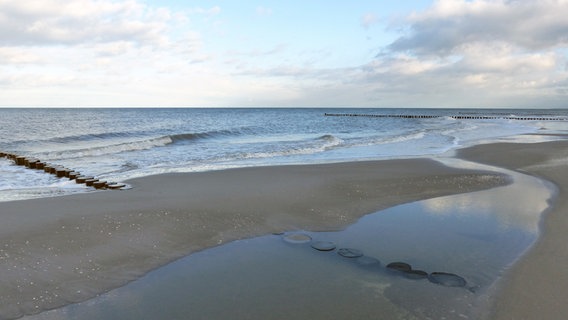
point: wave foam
(319, 144)
(108, 149)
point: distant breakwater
(424, 116)
(61, 171)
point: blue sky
(446, 53)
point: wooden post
(90, 182)
(99, 184)
(20, 160)
(82, 179)
(60, 172)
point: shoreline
(534, 287)
(68, 249)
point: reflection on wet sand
(515, 206)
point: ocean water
(118, 144)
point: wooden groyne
(60, 171)
(425, 116)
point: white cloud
(481, 52)
(17, 56)
(456, 53)
(80, 21)
(97, 53)
(503, 58)
(112, 49)
(451, 24)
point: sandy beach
(61, 250)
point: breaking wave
(310, 146)
(136, 145)
(107, 149)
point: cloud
(454, 54)
(503, 81)
(56, 22)
(450, 25)
(86, 40)
(113, 49)
(484, 52)
(18, 56)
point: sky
(312, 53)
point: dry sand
(537, 286)
(59, 250)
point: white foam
(20, 183)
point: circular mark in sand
(415, 274)
(399, 266)
(297, 238)
(323, 245)
(349, 253)
(447, 279)
(365, 261)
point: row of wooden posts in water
(423, 116)
(61, 171)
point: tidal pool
(302, 275)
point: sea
(117, 144)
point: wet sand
(536, 286)
(61, 250)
